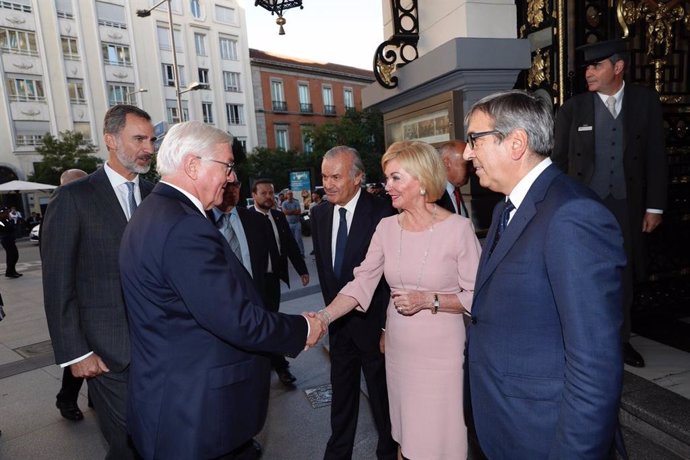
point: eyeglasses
(472, 137)
(228, 166)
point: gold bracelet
(326, 315)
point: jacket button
(474, 320)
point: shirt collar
(517, 195)
(352, 204)
(618, 96)
(191, 197)
(115, 178)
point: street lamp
(176, 69)
(128, 96)
(277, 7)
(194, 86)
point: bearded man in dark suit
(618, 151)
(80, 239)
(355, 339)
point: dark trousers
(271, 298)
(348, 362)
(12, 256)
(109, 394)
(69, 391)
(619, 208)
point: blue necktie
(503, 223)
(225, 226)
(340, 243)
(131, 199)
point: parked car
(35, 234)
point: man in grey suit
(80, 240)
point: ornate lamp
(277, 7)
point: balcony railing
(329, 109)
(306, 108)
(279, 106)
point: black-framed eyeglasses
(472, 137)
(228, 166)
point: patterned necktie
(611, 105)
(503, 223)
(340, 243)
(131, 199)
(228, 232)
(462, 210)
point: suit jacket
(288, 247)
(80, 239)
(544, 348)
(368, 212)
(644, 156)
(197, 387)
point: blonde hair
(423, 162)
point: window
(307, 143)
(75, 88)
(243, 142)
(207, 112)
(116, 54)
(228, 49)
(111, 15)
(64, 9)
(349, 98)
(231, 81)
(327, 94)
(225, 15)
(119, 94)
(304, 101)
(277, 96)
(169, 75)
(84, 128)
(164, 39)
(23, 6)
(200, 44)
(173, 113)
(25, 89)
(282, 140)
(18, 42)
(235, 114)
(163, 6)
(195, 6)
(203, 76)
(70, 49)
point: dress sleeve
(468, 260)
(368, 273)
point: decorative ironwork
(535, 12)
(401, 47)
(277, 7)
(540, 70)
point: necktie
(340, 243)
(503, 223)
(229, 233)
(611, 105)
(132, 201)
(462, 210)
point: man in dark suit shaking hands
(198, 386)
(80, 239)
(341, 231)
(544, 350)
(612, 139)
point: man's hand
(317, 329)
(91, 366)
(305, 279)
(651, 221)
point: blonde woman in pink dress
(429, 258)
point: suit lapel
(326, 223)
(105, 194)
(518, 224)
(357, 235)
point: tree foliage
(69, 150)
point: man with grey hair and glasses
(544, 351)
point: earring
(422, 192)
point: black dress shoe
(257, 447)
(70, 410)
(13, 275)
(286, 377)
(631, 356)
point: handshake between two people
(318, 326)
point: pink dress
(424, 352)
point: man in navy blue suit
(544, 351)
(199, 378)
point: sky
(343, 32)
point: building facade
(293, 95)
(65, 64)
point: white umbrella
(24, 186)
